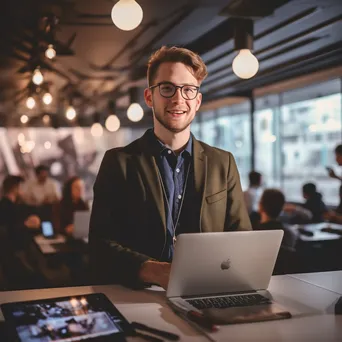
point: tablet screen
(73, 318)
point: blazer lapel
(148, 166)
(200, 172)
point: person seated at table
(40, 190)
(12, 214)
(270, 206)
(314, 202)
(72, 200)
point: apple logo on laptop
(225, 265)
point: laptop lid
(81, 224)
(216, 263)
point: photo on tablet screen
(65, 319)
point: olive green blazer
(128, 220)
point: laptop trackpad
(246, 314)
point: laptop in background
(81, 225)
(225, 275)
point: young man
(163, 184)
(314, 202)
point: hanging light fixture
(112, 123)
(37, 77)
(24, 119)
(96, 129)
(47, 98)
(245, 64)
(134, 112)
(127, 14)
(30, 102)
(50, 52)
(70, 113)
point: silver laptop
(81, 225)
(226, 275)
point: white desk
(316, 229)
(328, 280)
(312, 308)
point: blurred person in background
(41, 190)
(253, 194)
(12, 214)
(314, 202)
(72, 200)
(271, 205)
(338, 158)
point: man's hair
(338, 149)
(272, 202)
(10, 182)
(309, 189)
(254, 178)
(176, 54)
(40, 168)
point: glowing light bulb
(245, 64)
(30, 102)
(70, 113)
(96, 130)
(47, 145)
(37, 77)
(50, 52)
(112, 123)
(47, 98)
(127, 14)
(135, 112)
(24, 119)
(46, 119)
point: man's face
(42, 176)
(338, 158)
(175, 113)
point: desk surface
(316, 229)
(312, 308)
(328, 280)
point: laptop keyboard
(229, 301)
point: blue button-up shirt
(173, 170)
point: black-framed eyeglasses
(168, 90)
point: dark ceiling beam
(320, 59)
(226, 70)
(184, 12)
(264, 33)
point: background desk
(328, 280)
(312, 308)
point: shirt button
(177, 170)
(179, 196)
(169, 152)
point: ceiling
(97, 63)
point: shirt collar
(159, 147)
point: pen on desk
(168, 335)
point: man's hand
(289, 208)
(155, 272)
(32, 222)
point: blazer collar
(148, 166)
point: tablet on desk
(75, 318)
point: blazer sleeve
(236, 213)
(110, 262)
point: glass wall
(295, 134)
(229, 129)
